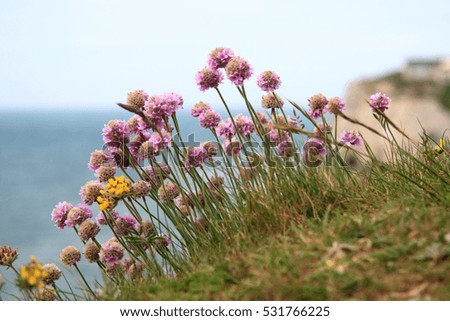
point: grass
(311, 235)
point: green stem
(85, 282)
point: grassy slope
(316, 236)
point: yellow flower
(32, 275)
(103, 203)
(441, 147)
(116, 188)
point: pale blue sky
(82, 54)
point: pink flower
(238, 70)
(286, 148)
(125, 225)
(111, 252)
(208, 78)
(199, 108)
(90, 191)
(195, 156)
(244, 125)
(262, 118)
(232, 147)
(317, 104)
(98, 158)
(136, 124)
(137, 98)
(335, 105)
(277, 136)
(59, 214)
(159, 124)
(160, 140)
(314, 150)
(379, 102)
(137, 142)
(226, 129)
(162, 106)
(78, 215)
(350, 138)
(268, 81)
(166, 241)
(219, 57)
(113, 215)
(116, 131)
(270, 101)
(209, 119)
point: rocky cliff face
(414, 105)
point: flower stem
(85, 282)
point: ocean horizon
(43, 161)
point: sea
(43, 161)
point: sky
(90, 53)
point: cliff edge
(420, 101)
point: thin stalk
(84, 280)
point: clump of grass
(371, 241)
(265, 210)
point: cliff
(416, 103)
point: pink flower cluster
(195, 156)
(335, 105)
(268, 81)
(286, 148)
(226, 129)
(137, 142)
(160, 140)
(124, 225)
(209, 119)
(59, 214)
(199, 108)
(78, 215)
(160, 107)
(232, 147)
(244, 125)
(208, 78)
(314, 150)
(238, 70)
(116, 131)
(137, 125)
(219, 58)
(379, 102)
(99, 158)
(350, 138)
(278, 136)
(111, 253)
(317, 104)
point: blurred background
(64, 65)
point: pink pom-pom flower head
(238, 70)
(350, 138)
(379, 102)
(268, 81)
(208, 78)
(219, 57)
